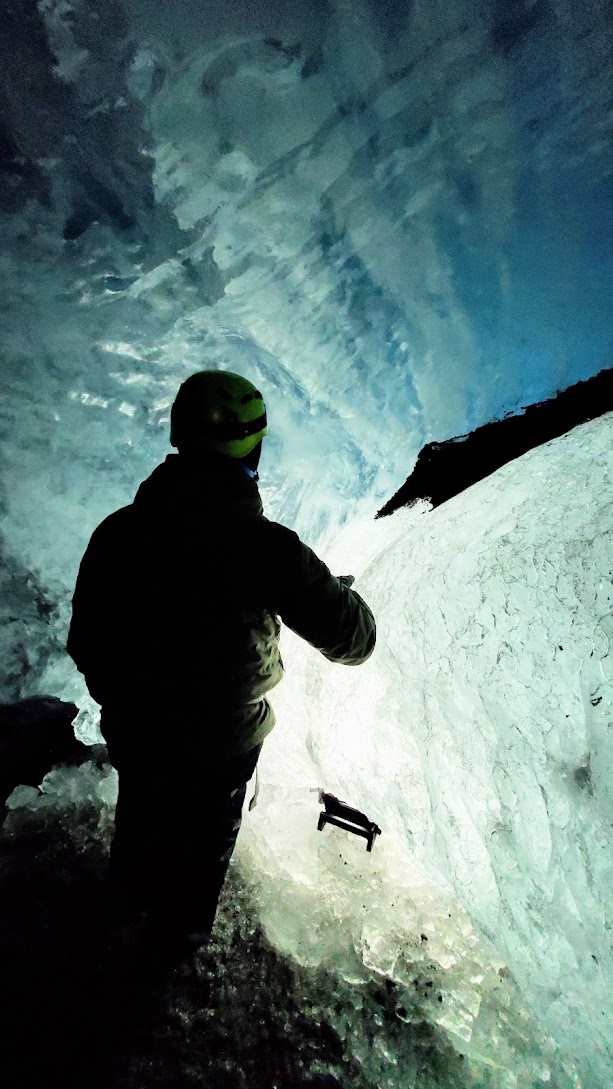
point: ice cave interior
(397, 218)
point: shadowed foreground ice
(471, 946)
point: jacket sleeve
(319, 607)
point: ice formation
(479, 734)
(380, 212)
(396, 218)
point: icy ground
(471, 947)
(251, 1016)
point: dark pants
(176, 826)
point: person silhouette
(175, 626)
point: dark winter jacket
(177, 605)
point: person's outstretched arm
(319, 607)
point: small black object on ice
(343, 816)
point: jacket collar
(193, 488)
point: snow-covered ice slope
(479, 734)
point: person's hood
(183, 489)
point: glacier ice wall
(479, 734)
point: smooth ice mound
(477, 736)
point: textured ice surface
(480, 732)
(64, 787)
(381, 212)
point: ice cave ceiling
(388, 212)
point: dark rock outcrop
(445, 469)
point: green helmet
(219, 411)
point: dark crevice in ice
(445, 469)
(35, 735)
